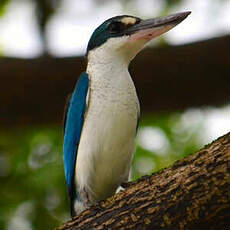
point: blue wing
(74, 120)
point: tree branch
(194, 193)
(167, 79)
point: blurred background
(182, 78)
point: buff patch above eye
(129, 20)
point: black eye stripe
(116, 27)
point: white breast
(107, 141)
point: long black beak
(165, 21)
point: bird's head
(124, 36)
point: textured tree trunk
(192, 194)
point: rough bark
(194, 193)
(167, 79)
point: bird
(102, 114)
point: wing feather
(73, 123)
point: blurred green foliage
(32, 175)
(3, 5)
(33, 193)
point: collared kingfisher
(102, 114)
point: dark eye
(116, 27)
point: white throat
(105, 67)
(119, 51)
